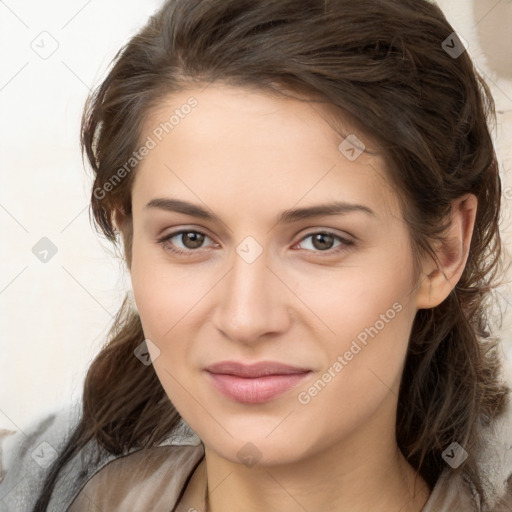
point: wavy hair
(383, 63)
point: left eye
(322, 241)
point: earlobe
(440, 277)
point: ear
(439, 278)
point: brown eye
(325, 241)
(322, 241)
(192, 239)
(186, 241)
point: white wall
(55, 315)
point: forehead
(247, 143)
(223, 104)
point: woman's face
(270, 271)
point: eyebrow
(285, 217)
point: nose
(252, 301)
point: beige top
(150, 479)
(173, 479)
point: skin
(247, 156)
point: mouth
(255, 383)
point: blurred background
(61, 284)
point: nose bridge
(250, 302)
(249, 278)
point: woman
(308, 199)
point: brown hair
(382, 62)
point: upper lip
(259, 369)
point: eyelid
(347, 237)
(346, 242)
(165, 238)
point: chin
(257, 442)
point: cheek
(163, 293)
(163, 299)
(371, 314)
(372, 298)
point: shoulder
(148, 479)
(143, 479)
(495, 461)
(493, 455)
(27, 453)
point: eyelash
(189, 253)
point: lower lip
(255, 390)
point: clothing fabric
(156, 478)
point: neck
(360, 471)
(315, 486)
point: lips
(254, 383)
